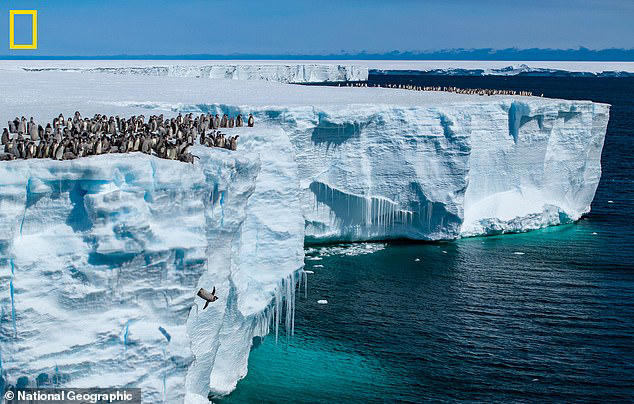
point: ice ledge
(379, 172)
(284, 73)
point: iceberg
(296, 73)
(100, 257)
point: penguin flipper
(206, 304)
(213, 292)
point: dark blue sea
(534, 317)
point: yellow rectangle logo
(33, 44)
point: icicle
(277, 314)
(293, 311)
(283, 305)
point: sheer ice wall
(102, 257)
(283, 73)
(103, 251)
(375, 172)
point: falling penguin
(208, 297)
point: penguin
(47, 150)
(69, 155)
(13, 149)
(40, 150)
(29, 152)
(251, 121)
(188, 158)
(8, 148)
(59, 152)
(33, 132)
(239, 121)
(22, 126)
(183, 149)
(146, 146)
(5, 136)
(233, 142)
(207, 297)
(171, 153)
(204, 124)
(21, 152)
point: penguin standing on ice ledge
(208, 297)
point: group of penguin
(450, 89)
(68, 139)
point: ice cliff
(376, 172)
(283, 73)
(101, 256)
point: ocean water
(540, 316)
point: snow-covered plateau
(101, 257)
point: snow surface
(96, 254)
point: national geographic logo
(73, 396)
(12, 14)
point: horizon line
(580, 54)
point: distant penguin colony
(472, 91)
(81, 137)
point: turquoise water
(516, 317)
(541, 316)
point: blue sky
(106, 27)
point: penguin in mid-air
(207, 297)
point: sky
(180, 27)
